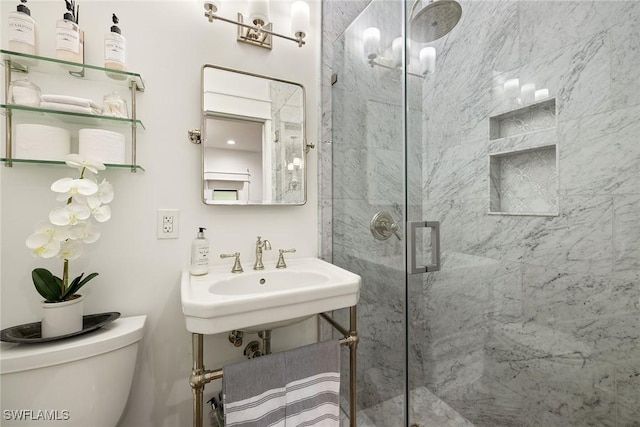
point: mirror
(253, 139)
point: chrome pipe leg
(353, 332)
(266, 341)
(197, 387)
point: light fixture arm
(257, 28)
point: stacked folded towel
(70, 104)
(299, 387)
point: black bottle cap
(22, 7)
(114, 27)
(68, 16)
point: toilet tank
(82, 381)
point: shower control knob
(383, 226)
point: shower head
(431, 19)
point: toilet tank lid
(122, 332)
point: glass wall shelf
(70, 117)
(42, 64)
(61, 162)
(24, 63)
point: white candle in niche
(541, 94)
(527, 94)
(371, 38)
(512, 88)
(427, 58)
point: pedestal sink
(222, 301)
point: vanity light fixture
(231, 142)
(258, 31)
(374, 55)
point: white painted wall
(168, 42)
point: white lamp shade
(371, 38)
(396, 50)
(259, 11)
(300, 18)
(427, 58)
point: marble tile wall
(532, 320)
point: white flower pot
(62, 318)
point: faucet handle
(237, 268)
(281, 263)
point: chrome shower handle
(382, 226)
(412, 226)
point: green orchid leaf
(77, 284)
(47, 285)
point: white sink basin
(222, 301)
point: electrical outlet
(168, 223)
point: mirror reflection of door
(254, 139)
(233, 163)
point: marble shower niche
(532, 118)
(524, 182)
(523, 163)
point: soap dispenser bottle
(114, 51)
(68, 39)
(23, 33)
(199, 254)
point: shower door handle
(412, 226)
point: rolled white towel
(69, 108)
(72, 100)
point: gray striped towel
(299, 387)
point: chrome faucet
(260, 245)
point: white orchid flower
(69, 187)
(42, 245)
(70, 214)
(76, 161)
(102, 213)
(70, 250)
(55, 232)
(86, 232)
(104, 195)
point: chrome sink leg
(198, 369)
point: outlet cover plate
(168, 223)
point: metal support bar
(134, 124)
(7, 118)
(199, 376)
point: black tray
(30, 333)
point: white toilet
(82, 381)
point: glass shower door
(522, 143)
(368, 179)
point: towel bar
(200, 376)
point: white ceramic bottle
(68, 39)
(23, 33)
(115, 50)
(199, 254)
